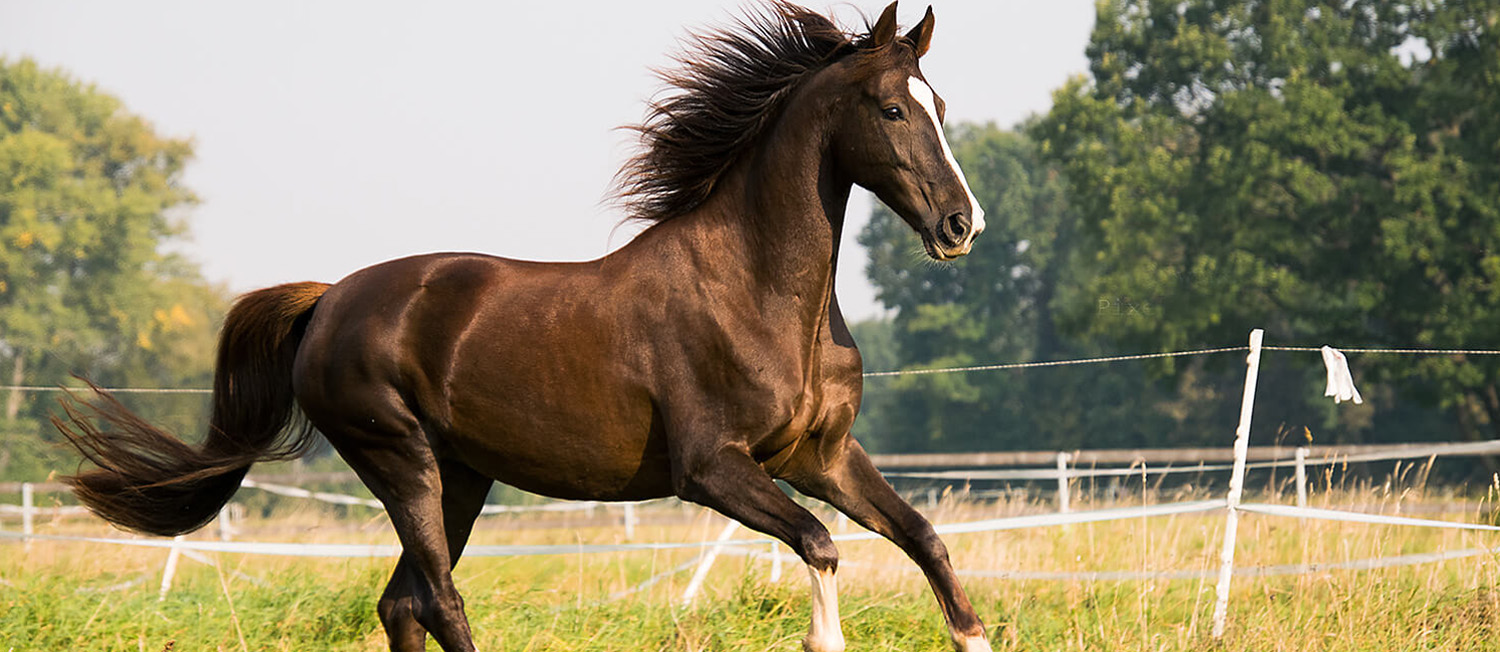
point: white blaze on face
(922, 93)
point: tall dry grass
(90, 596)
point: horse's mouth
(937, 251)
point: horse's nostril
(956, 226)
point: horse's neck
(785, 209)
(794, 202)
(770, 231)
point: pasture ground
(73, 596)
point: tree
(87, 197)
(996, 305)
(1325, 170)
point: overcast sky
(334, 135)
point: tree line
(1327, 171)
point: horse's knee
(924, 542)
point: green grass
(65, 596)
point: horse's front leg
(727, 480)
(851, 483)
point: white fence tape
(342, 499)
(1439, 450)
(381, 550)
(1359, 517)
(65, 510)
(339, 550)
(1125, 576)
(1044, 520)
(551, 507)
(298, 492)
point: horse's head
(888, 138)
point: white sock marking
(971, 644)
(922, 93)
(825, 634)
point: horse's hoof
(827, 643)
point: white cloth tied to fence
(1340, 381)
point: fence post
(1302, 476)
(629, 521)
(1237, 483)
(226, 528)
(28, 512)
(712, 554)
(1063, 502)
(170, 570)
(775, 563)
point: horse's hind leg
(402, 471)
(464, 492)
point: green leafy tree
(88, 192)
(1326, 170)
(997, 304)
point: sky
(330, 136)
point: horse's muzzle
(953, 237)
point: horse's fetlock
(819, 551)
(392, 609)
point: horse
(704, 359)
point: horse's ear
(885, 29)
(921, 35)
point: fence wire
(912, 372)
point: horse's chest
(823, 410)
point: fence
(1062, 466)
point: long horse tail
(150, 481)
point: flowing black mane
(730, 84)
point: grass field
(73, 596)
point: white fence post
(226, 526)
(28, 512)
(1302, 476)
(630, 520)
(1063, 500)
(170, 570)
(691, 591)
(775, 563)
(1237, 483)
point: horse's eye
(893, 113)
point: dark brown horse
(702, 360)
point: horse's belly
(618, 456)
